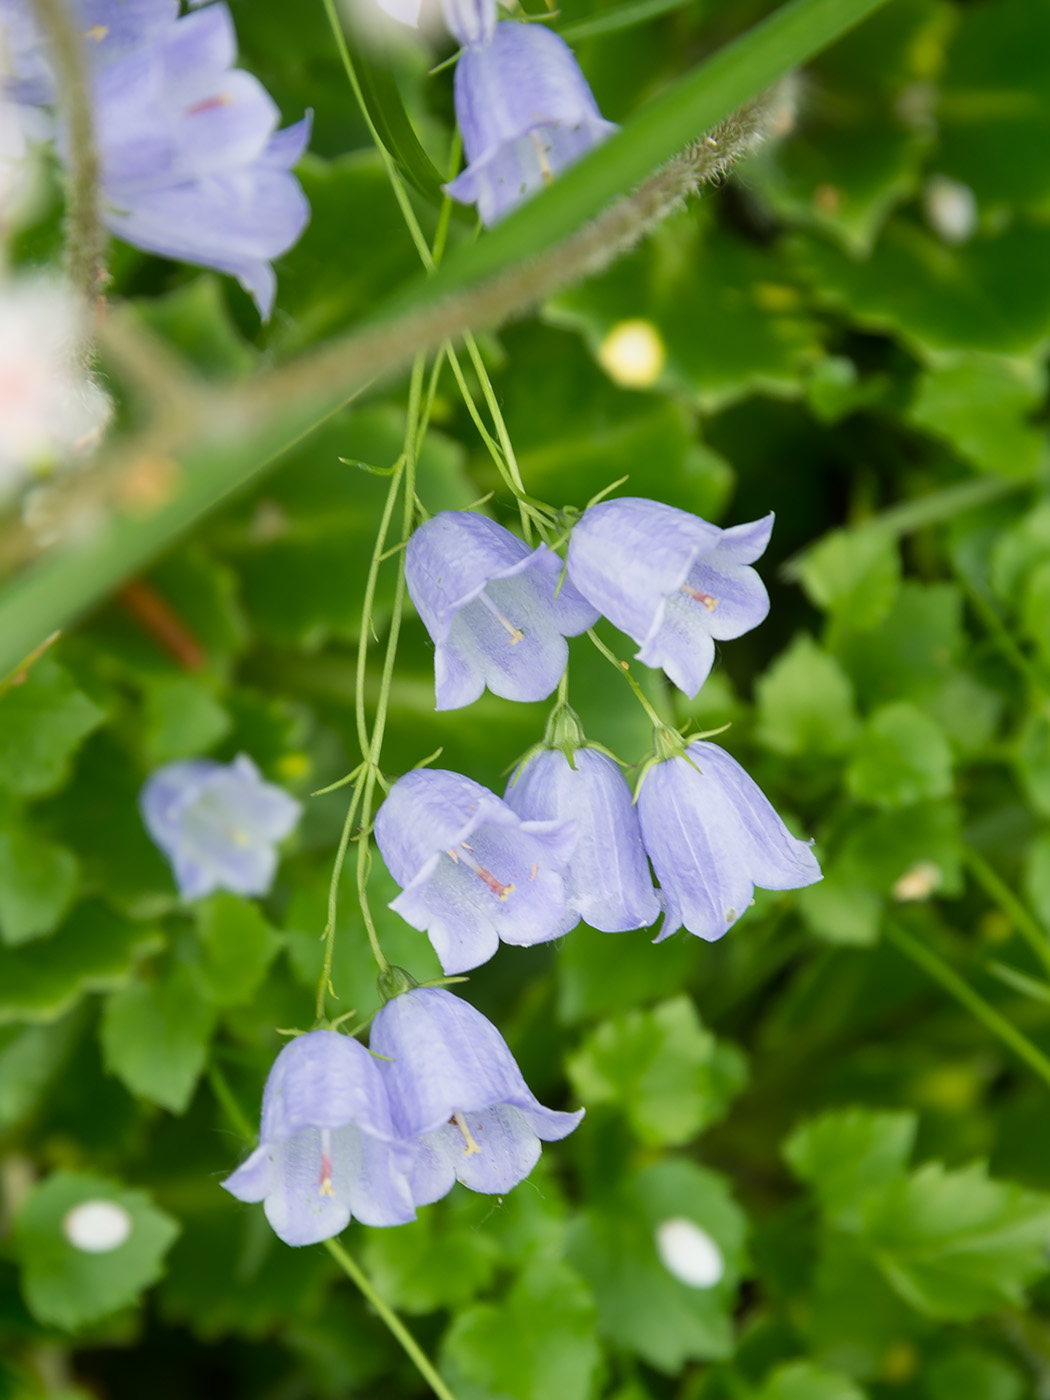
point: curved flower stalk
(712, 836)
(607, 878)
(193, 166)
(458, 1096)
(328, 1149)
(493, 608)
(526, 113)
(471, 871)
(218, 824)
(671, 581)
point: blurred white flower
(689, 1253)
(51, 409)
(96, 1227)
(950, 208)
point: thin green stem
(369, 602)
(86, 237)
(624, 671)
(1000, 634)
(934, 966)
(998, 890)
(397, 1328)
(325, 981)
(227, 1100)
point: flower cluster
(192, 165)
(523, 107)
(351, 1135)
(567, 842)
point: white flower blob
(96, 1227)
(51, 410)
(688, 1253)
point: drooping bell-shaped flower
(457, 1094)
(192, 164)
(712, 836)
(671, 581)
(469, 21)
(218, 824)
(328, 1148)
(471, 871)
(493, 608)
(607, 879)
(525, 111)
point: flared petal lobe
(472, 872)
(673, 582)
(457, 1093)
(493, 608)
(329, 1150)
(526, 113)
(607, 879)
(712, 836)
(217, 824)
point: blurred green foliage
(872, 1166)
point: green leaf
(955, 1244)
(669, 1075)
(94, 951)
(30, 1060)
(196, 320)
(538, 1344)
(909, 655)
(854, 575)
(410, 1265)
(805, 702)
(593, 982)
(841, 908)
(972, 1373)
(69, 1287)
(843, 1156)
(642, 1306)
(155, 1037)
(984, 406)
(765, 336)
(239, 946)
(901, 758)
(802, 1380)
(858, 1324)
(38, 882)
(992, 294)
(183, 719)
(43, 721)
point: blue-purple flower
(607, 878)
(469, 21)
(328, 1150)
(192, 164)
(712, 836)
(525, 111)
(471, 871)
(493, 607)
(218, 824)
(458, 1096)
(671, 581)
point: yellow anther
(708, 600)
(97, 32)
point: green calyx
(392, 981)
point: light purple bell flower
(712, 836)
(193, 166)
(493, 608)
(525, 111)
(218, 824)
(671, 581)
(328, 1149)
(607, 878)
(469, 21)
(457, 1094)
(471, 871)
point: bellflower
(471, 871)
(671, 581)
(458, 1096)
(712, 836)
(469, 21)
(607, 879)
(525, 112)
(192, 165)
(493, 608)
(218, 824)
(328, 1149)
